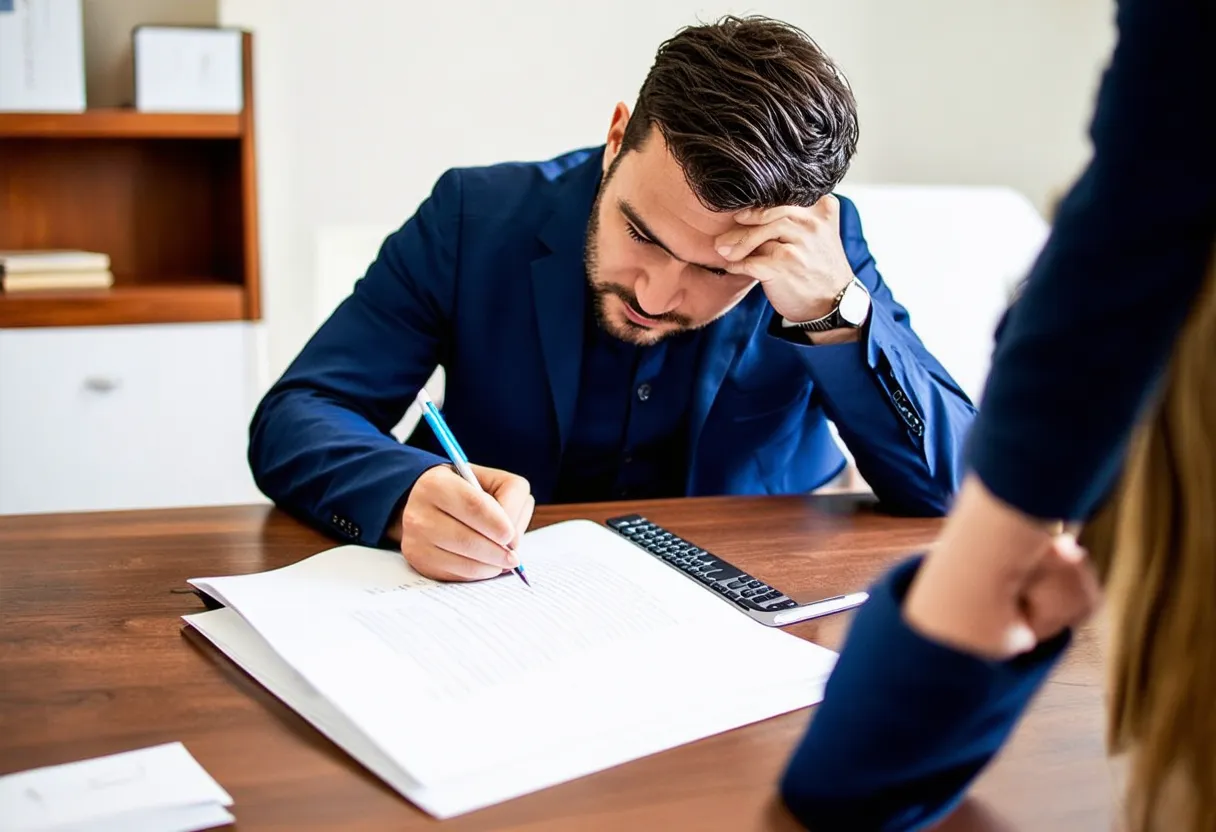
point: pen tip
(519, 570)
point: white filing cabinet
(117, 417)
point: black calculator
(750, 595)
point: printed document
(460, 695)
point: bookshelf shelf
(170, 198)
(124, 304)
(119, 123)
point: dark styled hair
(755, 114)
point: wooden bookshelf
(171, 198)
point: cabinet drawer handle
(100, 384)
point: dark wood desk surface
(94, 660)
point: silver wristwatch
(850, 310)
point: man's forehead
(654, 185)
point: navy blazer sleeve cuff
(904, 425)
(906, 723)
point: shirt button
(644, 392)
(628, 459)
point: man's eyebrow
(639, 223)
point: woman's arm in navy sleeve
(905, 723)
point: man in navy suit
(680, 311)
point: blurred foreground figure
(942, 660)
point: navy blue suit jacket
(487, 279)
(907, 723)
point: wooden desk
(94, 660)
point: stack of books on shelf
(52, 270)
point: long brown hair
(1155, 545)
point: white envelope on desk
(157, 789)
(464, 695)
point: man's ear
(616, 134)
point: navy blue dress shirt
(630, 431)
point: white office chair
(952, 256)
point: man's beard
(628, 331)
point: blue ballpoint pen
(448, 440)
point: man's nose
(658, 290)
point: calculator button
(756, 584)
(726, 573)
(748, 593)
(736, 584)
(628, 520)
(783, 605)
(732, 595)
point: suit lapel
(559, 288)
(724, 340)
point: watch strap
(828, 322)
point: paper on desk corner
(135, 787)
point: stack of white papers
(157, 789)
(464, 695)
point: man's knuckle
(411, 523)
(470, 503)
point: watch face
(855, 305)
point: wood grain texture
(94, 659)
(120, 122)
(155, 207)
(139, 304)
(248, 198)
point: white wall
(363, 104)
